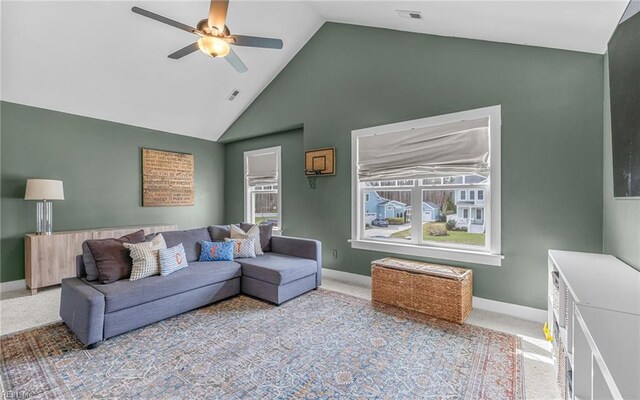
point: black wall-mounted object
(624, 81)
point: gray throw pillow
(219, 233)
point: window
(419, 173)
(263, 200)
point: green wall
(292, 180)
(99, 162)
(621, 228)
(350, 77)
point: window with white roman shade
(262, 177)
(262, 168)
(411, 182)
(452, 149)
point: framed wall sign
(167, 179)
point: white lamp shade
(44, 189)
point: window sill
(470, 256)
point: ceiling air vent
(233, 94)
(409, 14)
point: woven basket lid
(418, 267)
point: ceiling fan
(215, 37)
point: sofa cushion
(219, 233)
(277, 269)
(124, 293)
(190, 240)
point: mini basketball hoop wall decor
(320, 162)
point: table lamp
(44, 191)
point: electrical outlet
(334, 253)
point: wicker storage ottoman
(439, 291)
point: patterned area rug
(321, 345)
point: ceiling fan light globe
(213, 46)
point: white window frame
(248, 193)
(491, 254)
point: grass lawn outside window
(459, 237)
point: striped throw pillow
(252, 233)
(172, 260)
(145, 257)
(243, 248)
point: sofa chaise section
(293, 267)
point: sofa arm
(82, 309)
(298, 247)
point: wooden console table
(51, 258)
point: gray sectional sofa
(95, 311)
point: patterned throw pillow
(266, 231)
(243, 248)
(172, 259)
(145, 257)
(252, 233)
(216, 251)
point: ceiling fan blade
(236, 62)
(185, 51)
(218, 14)
(255, 41)
(164, 20)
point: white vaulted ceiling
(98, 59)
(101, 60)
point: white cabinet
(594, 315)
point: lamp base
(44, 217)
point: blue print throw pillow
(216, 251)
(172, 259)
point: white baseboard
(513, 310)
(13, 286)
(347, 277)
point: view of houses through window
(429, 187)
(452, 210)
